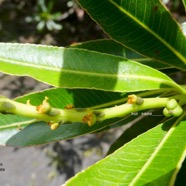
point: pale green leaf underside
(79, 68)
(144, 26)
(153, 158)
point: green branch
(54, 116)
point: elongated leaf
(78, 68)
(184, 3)
(144, 26)
(153, 158)
(17, 130)
(109, 46)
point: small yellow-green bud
(177, 111)
(133, 99)
(54, 126)
(139, 101)
(172, 104)
(44, 108)
(166, 112)
(89, 118)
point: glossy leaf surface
(79, 68)
(152, 158)
(144, 26)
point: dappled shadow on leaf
(87, 98)
(84, 69)
(168, 124)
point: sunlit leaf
(152, 158)
(80, 68)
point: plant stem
(88, 116)
(31, 112)
(125, 109)
(143, 94)
(180, 88)
(149, 103)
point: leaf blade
(78, 68)
(109, 46)
(128, 165)
(184, 4)
(134, 24)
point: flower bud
(172, 104)
(177, 111)
(166, 112)
(89, 118)
(54, 126)
(44, 108)
(133, 99)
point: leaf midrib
(178, 54)
(154, 154)
(17, 124)
(57, 69)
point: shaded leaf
(144, 26)
(109, 46)
(184, 4)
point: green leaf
(17, 131)
(139, 126)
(152, 158)
(109, 46)
(184, 4)
(144, 26)
(79, 68)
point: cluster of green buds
(172, 109)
